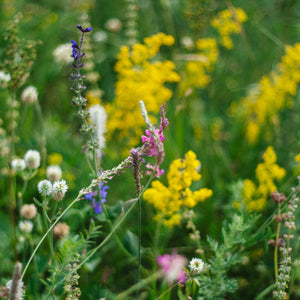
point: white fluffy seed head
(53, 173)
(18, 164)
(32, 159)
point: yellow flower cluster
(55, 159)
(229, 22)
(255, 197)
(200, 64)
(139, 79)
(169, 201)
(297, 167)
(263, 103)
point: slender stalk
(45, 235)
(276, 246)
(117, 224)
(138, 285)
(47, 221)
(12, 199)
(139, 245)
(43, 136)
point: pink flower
(153, 140)
(173, 267)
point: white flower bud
(62, 54)
(4, 79)
(28, 211)
(53, 173)
(29, 95)
(32, 159)
(113, 25)
(26, 226)
(18, 164)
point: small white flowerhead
(62, 54)
(187, 42)
(45, 187)
(59, 190)
(113, 25)
(196, 266)
(18, 164)
(28, 211)
(29, 95)
(26, 226)
(100, 36)
(4, 79)
(32, 159)
(53, 173)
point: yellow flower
(263, 103)
(139, 78)
(227, 23)
(55, 159)
(169, 201)
(255, 197)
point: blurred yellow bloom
(169, 201)
(255, 197)
(273, 93)
(227, 23)
(199, 65)
(139, 78)
(297, 167)
(55, 159)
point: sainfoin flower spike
(153, 140)
(173, 267)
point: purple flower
(88, 29)
(103, 190)
(98, 206)
(92, 196)
(75, 50)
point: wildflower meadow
(149, 149)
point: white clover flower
(45, 187)
(62, 54)
(98, 118)
(32, 159)
(187, 42)
(100, 36)
(18, 164)
(4, 78)
(196, 265)
(29, 95)
(26, 226)
(59, 190)
(113, 25)
(53, 173)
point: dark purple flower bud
(84, 30)
(75, 50)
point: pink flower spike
(173, 267)
(163, 120)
